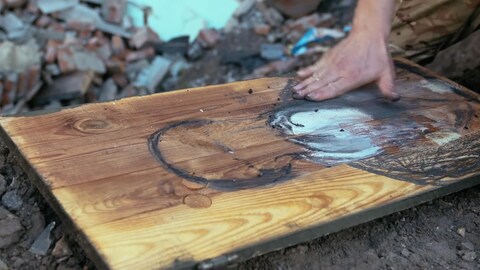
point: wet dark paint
(381, 163)
(265, 178)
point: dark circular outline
(267, 176)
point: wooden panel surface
(175, 179)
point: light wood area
(214, 175)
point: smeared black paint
(428, 165)
(431, 165)
(264, 178)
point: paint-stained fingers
(332, 89)
(311, 70)
(317, 77)
(317, 84)
(386, 84)
(299, 87)
(306, 72)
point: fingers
(386, 84)
(303, 84)
(314, 83)
(306, 72)
(332, 89)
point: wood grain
(175, 179)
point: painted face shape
(329, 133)
(346, 129)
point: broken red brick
(14, 3)
(115, 65)
(73, 58)
(10, 89)
(43, 21)
(66, 87)
(118, 46)
(32, 7)
(295, 29)
(80, 26)
(314, 20)
(33, 76)
(262, 29)
(144, 36)
(102, 39)
(114, 10)
(273, 17)
(51, 51)
(208, 38)
(138, 55)
(65, 62)
(120, 80)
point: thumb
(387, 85)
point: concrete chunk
(150, 77)
(50, 6)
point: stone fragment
(43, 242)
(179, 45)
(50, 6)
(3, 266)
(14, 3)
(61, 248)
(12, 201)
(469, 256)
(142, 37)
(272, 51)
(113, 11)
(208, 38)
(10, 228)
(273, 17)
(150, 77)
(468, 246)
(405, 252)
(17, 58)
(3, 185)
(244, 7)
(66, 87)
(38, 224)
(78, 59)
(109, 91)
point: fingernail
(395, 97)
(297, 96)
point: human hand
(360, 59)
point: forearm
(374, 17)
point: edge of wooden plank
(172, 92)
(36, 179)
(309, 234)
(423, 71)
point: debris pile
(56, 53)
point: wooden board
(223, 173)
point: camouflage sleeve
(420, 28)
